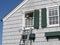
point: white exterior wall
(14, 24)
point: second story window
(29, 19)
(50, 16)
(53, 16)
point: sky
(5, 7)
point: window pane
(55, 12)
(29, 19)
(54, 20)
(50, 20)
(50, 13)
(57, 20)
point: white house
(40, 19)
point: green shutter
(59, 14)
(43, 18)
(48, 34)
(36, 19)
(32, 36)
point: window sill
(27, 28)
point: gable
(29, 5)
(20, 5)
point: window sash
(53, 11)
(53, 20)
(29, 22)
(55, 16)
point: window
(53, 16)
(53, 38)
(29, 19)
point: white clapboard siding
(11, 37)
(11, 30)
(12, 27)
(11, 44)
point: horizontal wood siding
(13, 25)
(12, 30)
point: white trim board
(19, 6)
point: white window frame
(48, 25)
(30, 23)
(23, 24)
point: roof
(19, 6)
